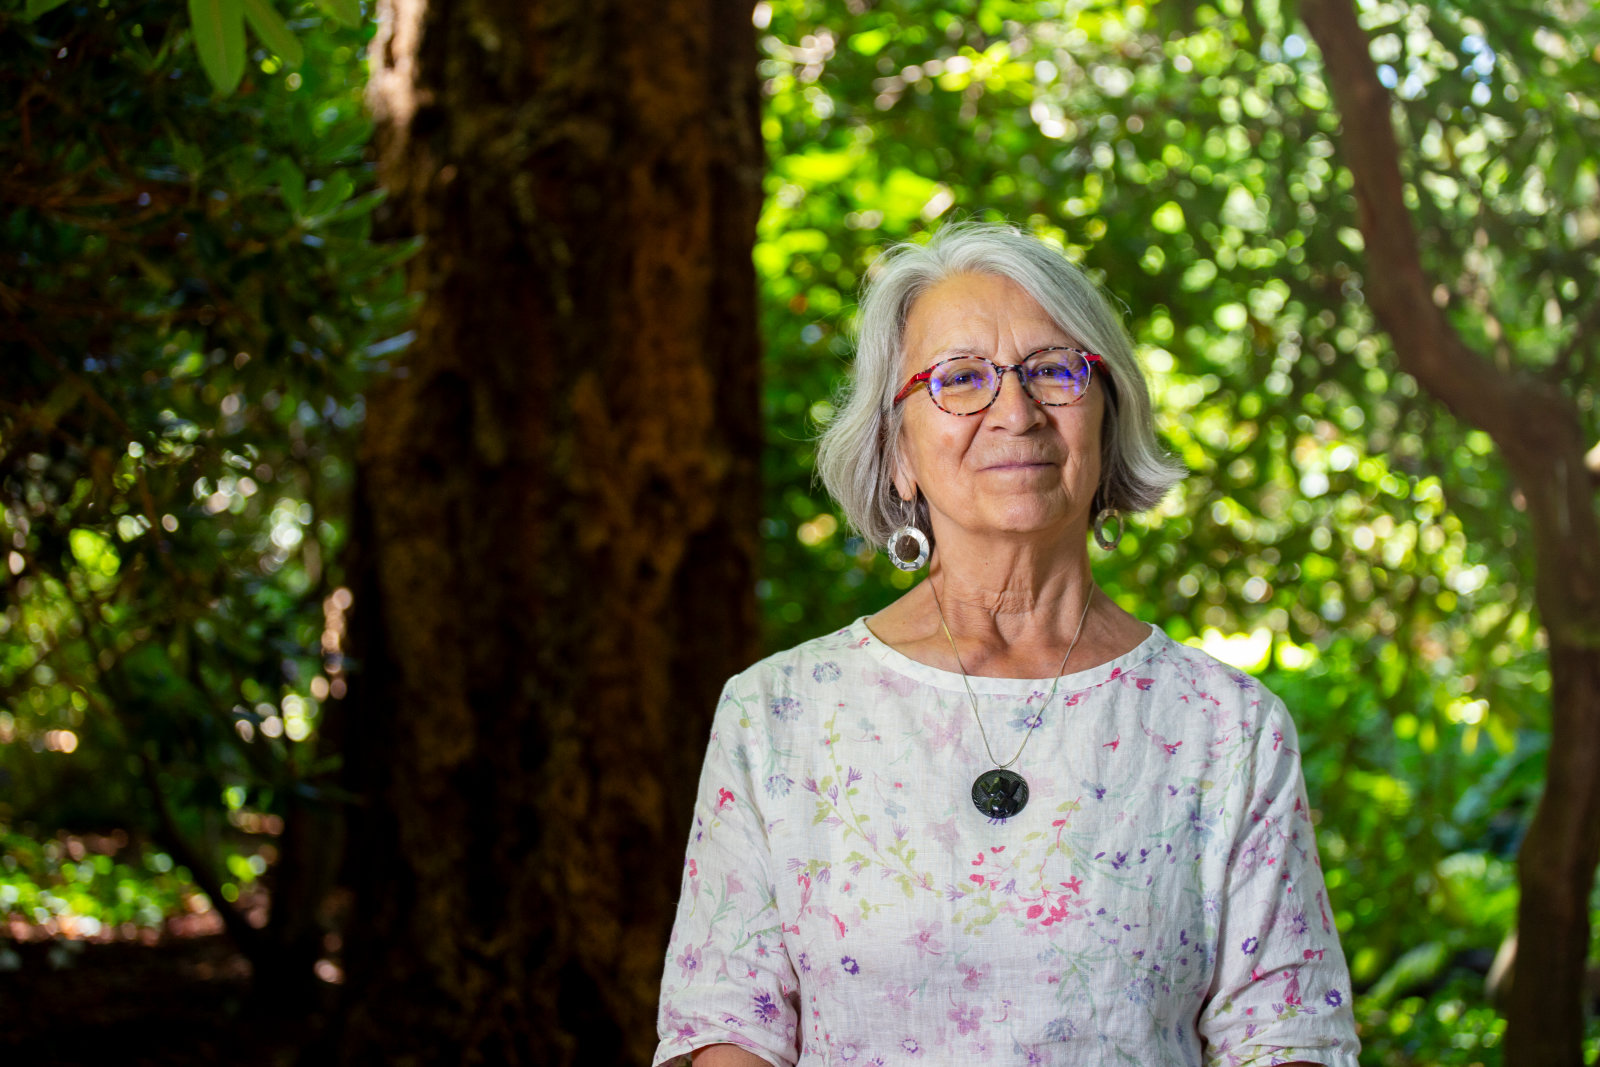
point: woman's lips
(1019, 465)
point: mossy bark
(556, 519)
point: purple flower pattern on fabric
(1166, 824)
(786, 709)
(826, 672)
(765, 1008)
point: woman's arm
(728, 980)
(1276, 942)
(725, 1056)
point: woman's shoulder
(1222, 691)
(780, 695)
(1194, 662)
(820, 660)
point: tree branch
(1534, 423)
(1539, 430)
(247, 937)
(1577, 355)
(88, 391)
(1398, 286)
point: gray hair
(857, 452)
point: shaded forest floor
(182, 1002)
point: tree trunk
(1538, 429)
(556, 518)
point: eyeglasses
(968, 385)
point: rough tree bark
(556, 517)
(1537, 428)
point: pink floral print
(1158, 901)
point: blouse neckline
(863, 638)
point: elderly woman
(1003, 820)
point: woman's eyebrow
(972, 348)
(960, 348)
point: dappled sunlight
(198, 311)
(102, 888)
(1248, 652)
(1338, 535)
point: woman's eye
(1063, 369)
(961, 379)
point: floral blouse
(1157, 901)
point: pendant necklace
(1000, 792)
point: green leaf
(335, 190)
(274, 33)
(219, 38)
(1417, 967)
(869, 42)
(36, 8)
(291, 184)
(189, 156)
(821, 167)
(1168, 218)
(360, 205)
(347, 12)
(155, 273)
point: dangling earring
(907, 531)
(1101, 521)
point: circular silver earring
(1106, 517)
(899, 550)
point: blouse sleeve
(728, 978)
(1281, 990)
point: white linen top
(1158, 901)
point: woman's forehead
(972, 314)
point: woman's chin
(1044, 523)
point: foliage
(217, 33)
(81, 890)
(1339, 534)
(192, 306)
(206, 262)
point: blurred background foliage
(192, 307)
(194, 302)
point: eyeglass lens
(968, 384)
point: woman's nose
(1014, 404)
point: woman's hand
(725, 1056)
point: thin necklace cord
(1037, 719)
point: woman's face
(1018, 467)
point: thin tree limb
(1428, 345)
(247, 937)
(1534, 422)
(1538, 429)
(1577, 355)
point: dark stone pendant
(999, 793)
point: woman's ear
(904, 483)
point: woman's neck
(1013, 608)
(1002, 602)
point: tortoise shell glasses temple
(922, 377)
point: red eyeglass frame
(922, 378)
